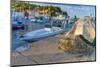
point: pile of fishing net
(80, 37)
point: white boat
(32, 19)
(41, 33)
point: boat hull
(40, 37)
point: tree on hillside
(75, 18)
(65, 14)
(19, 6)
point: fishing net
(80, 37)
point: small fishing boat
(41, 33)
(17, 25)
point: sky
(78, 10)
